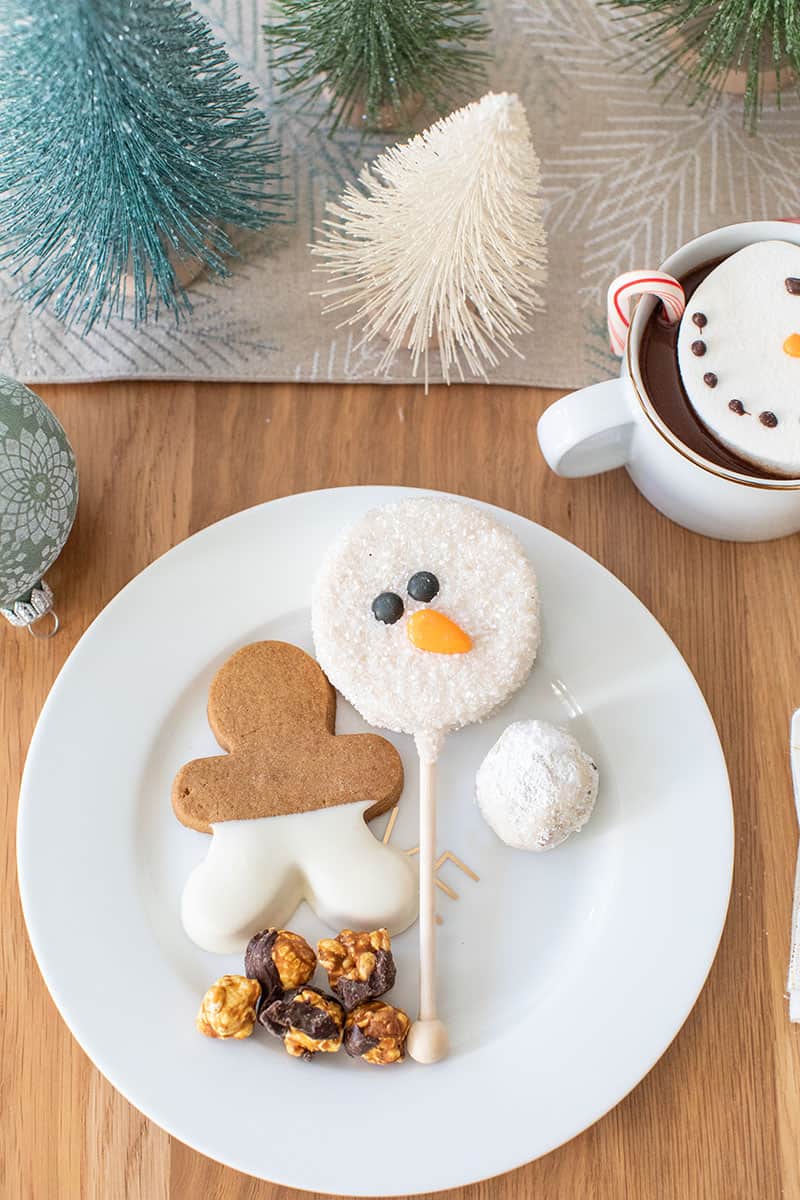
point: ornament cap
(25, 613)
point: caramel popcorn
(280, 960)
(360, 966)
(308, 1021)
(228, 1009)
(376, 1032)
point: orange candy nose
(792, 345)
(430, 629)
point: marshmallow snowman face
(425, 616)
(739, 355)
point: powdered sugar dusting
(536, 786)
(487, 586)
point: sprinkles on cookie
(425, 616)
(399, 597)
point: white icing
(536, 786)
(487, 586)
(750, 315)
(257, 872)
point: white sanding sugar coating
(486, 586)
(746, 314)
(536, 786)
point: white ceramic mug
(614, 424)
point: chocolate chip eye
(388, 607)
(793, 285)
(423, 586)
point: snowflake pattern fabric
(38, 490)
(629, 172)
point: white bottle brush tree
(128, 146)
(442, 239)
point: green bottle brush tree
(374, 60)
(128, 146)
(743, 46)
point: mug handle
(588, 431)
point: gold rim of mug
(768, 485)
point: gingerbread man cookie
(287, 806)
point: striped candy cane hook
(638, 283)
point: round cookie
(426, 666)
(739, 355)
(425, 615)
(536, 786)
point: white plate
(564, 976)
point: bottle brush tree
(374, 59)
(745, 45)
(441, 242)
(128, 144)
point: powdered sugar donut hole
(485, 586)
(536, 786)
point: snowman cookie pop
(425, 616)
(739, 355)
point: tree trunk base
(734, 82)
(389, 119)
(187, 270)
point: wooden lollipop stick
(427, 903)
(427, 1039)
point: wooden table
(719, 1116)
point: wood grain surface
(719, 1116)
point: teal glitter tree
(375, 59)
(744, 46)
(128, 147)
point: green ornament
(38, 499)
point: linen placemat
(629, 173)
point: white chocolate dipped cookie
(287, 806)
(425, 616)
(739, 355)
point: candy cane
(638, 283)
